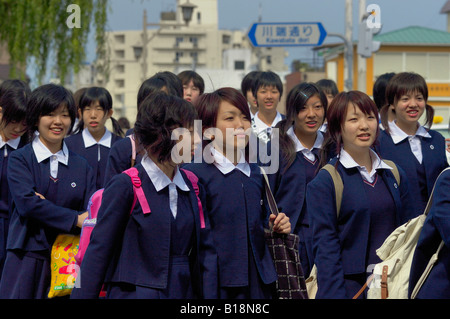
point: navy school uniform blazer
(434, 161)
(35, 222)
(237, 214)
(343, 252)
(435, 229)
(4, 202)
(119, 159)
(76, 144)
(136, 248)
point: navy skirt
(179, 285)
(26, 275)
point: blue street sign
(287, 34)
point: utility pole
(348, 69)
(361, 61)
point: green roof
(414, 35)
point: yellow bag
(62, 264)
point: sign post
(287, 34)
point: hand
(280, 223)
(81, 219)
(448, 144)
(40, 195)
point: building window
(239, 65)
(178, 55)
(120, 83)
(226, 39)
(194, 41)
(119, 38)
(120, 68)
(269, 59)
(178, 40)
(119, 98)
(199, 18)
(432, 66)
(120, 54)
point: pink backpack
(96, 200)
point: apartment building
(221, 57)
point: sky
(241, 14)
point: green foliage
(37, 29)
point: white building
(221, 57)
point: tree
(53, 31)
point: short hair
(158, 115)
(159, 81)
(401, 84)
(46, 99)
(379, 89)
(268, 78)
(337, 111)
(248, 82)
(208, 105)
(188, 75)
(328, 86)
(14, 95)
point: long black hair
(295, 101)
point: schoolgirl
(50, 188)
(193, 85)
(234, 197)
(299, 144)
(418, 150)
(373, 203)
(14, 95)
(121, 155)
(161, 254)
(435, 230)
(92, 139)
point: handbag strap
(270, 198)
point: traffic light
(366, 45)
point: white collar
(399, 135)
(348, 162)
(42, 152)
(159, 179)
(262, 126)
(225, 166)
(89, 140)
(12, 143)
(299, 146)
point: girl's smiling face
(409, 108)
(310, 117)
(53, 127)
(359, 130)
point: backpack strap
(338, 185)
(194, 180)
(394, 170)
(133, 149)
(138, 191)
